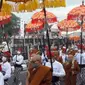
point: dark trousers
(54, 80)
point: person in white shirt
(81, 61)
(63, 54)
(58, 70)
(78, 56)
(1, 79)
(18, 59)
(1, 76)
(6, 68)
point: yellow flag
(7, 8)
(32, 5)
(62, 3)
(56, 3)
(21, 7)
(29, 6)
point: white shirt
(64, 57)
(18, 59)
(6, 67)
(80, 56)
(83, 58)
(77, 57)
(58, 69)
(44, 59)
(1, 79)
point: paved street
(22, 77)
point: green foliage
(10, 28)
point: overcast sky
(60, 12)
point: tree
(11, 28)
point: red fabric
(32, 27)
(19, 49)
(5, 19)
(79, 46)
(7, 54)
(48, 54)
(0, 68)
(39, 16)
(68, 25)
(76, 12)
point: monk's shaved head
(36, 57)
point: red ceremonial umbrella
(74, 38)
(78, 13)
(33, 27)
(4, 18)
(68, 25)
(39, 16)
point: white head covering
(5, 46)
(4, 43)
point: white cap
(4, 43)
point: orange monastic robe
(71, 69)
(40, 76)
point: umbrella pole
(81, 25)
(67, 39)
(47, 34)
(49, 48)
(24, 44)
(24, 40)
(43, 48)
(81, 45)
(1, 2)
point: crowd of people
(65, 65)
(5, 64)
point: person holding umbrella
(58, 70)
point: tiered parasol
(4, 19)
(74, 38)
(39, 16)
(78, 14)
(33, 27)
(68, 25)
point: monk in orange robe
(71, 69)
(39, 74)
